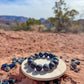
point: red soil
(23, 44)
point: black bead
(46, 54)
(78, 63)
(20, 60)
(72, 60)
(46, 67)
(55, 62)
(55, 58)
(51, 65)
(12, 81)
(41, 54)
(39, 67)
(36, 55)
(30, 58)
(51, 55)
(33, 65)
(29, 62)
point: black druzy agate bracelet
(54, 61)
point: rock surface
(23, 44)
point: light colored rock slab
(43, 76)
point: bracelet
(54, 61)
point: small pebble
(72, 68)
(20, 60)
(60, 57)
(12, 81)
(78, 63)
(76, 70)
(66, 60)
(72, 60)
(14, 59)
(73, 64)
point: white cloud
(78, 5)
(37, 8)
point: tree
(32, 21)
(63, 16)
(27, 26)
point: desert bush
(38, 28)
(74, 29)
(28, 25)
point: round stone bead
(51, 55)
(61, 57)
(36, 55)
(25, 58)
(51, 65)
(55, 58)
(39, 67)
(33, 57)
(41, 54)
(33, 65)
(29, 62)
(46, 54)
(30, 58)
(55, 62)
(46, 67)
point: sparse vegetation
(63, 22)
(27, 26)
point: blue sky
(36, 8)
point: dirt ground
(23, 44)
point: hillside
(13, 18)
(81, 20)
(23, 44)
(8, 25)
(18, 18)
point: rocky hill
(13, 18)
(18, 18)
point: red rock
(23, 44)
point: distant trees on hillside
(26, 26)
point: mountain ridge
(14, 18)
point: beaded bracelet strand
(54, 61)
